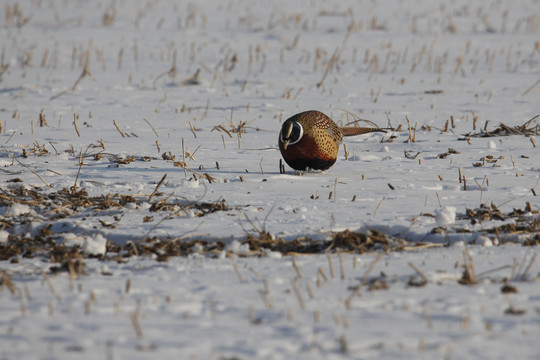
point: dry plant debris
(340, 242)
(449, 152)
(48, 207)
(63, 203)
(44, 245)
(488, 159)
(528, 128)
(525, 220)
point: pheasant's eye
(291, 132)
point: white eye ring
(297, 137)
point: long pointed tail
(352, 131)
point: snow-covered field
(100, 100)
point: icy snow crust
(257, 63)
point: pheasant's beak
(285, 144)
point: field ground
(143, 212)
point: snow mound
(4, 235)
(445, 216)
(95, 245)
(15, 209)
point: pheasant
(311, 139)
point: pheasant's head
(291, 133)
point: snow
(199, 308)
(436, 71)
(95, 245)
(445, 216)
(15, 210)
(4, 235)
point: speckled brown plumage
(311, 139)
